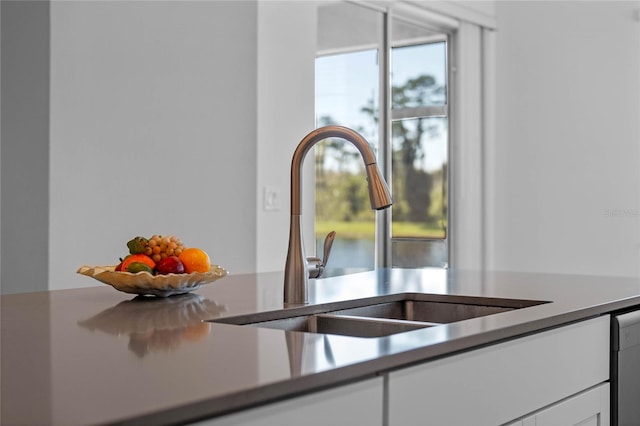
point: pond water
(359, 254)
(349, 253)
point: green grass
(366, 229)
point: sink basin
(342, 324)
(380, 316)
(420, 310)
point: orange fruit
(197, 331)
(137, 258)
(195, 260)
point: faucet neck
(305, 146)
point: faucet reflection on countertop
(299, 268)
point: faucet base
(296, 277)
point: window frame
(384, 237)
(446, 29)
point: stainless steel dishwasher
(625, 369)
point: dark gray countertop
(99, 356)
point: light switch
(271, 199)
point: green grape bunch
(157, 247)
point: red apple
(170, 265)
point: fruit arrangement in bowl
(163, 255)
(160, 266)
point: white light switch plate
(272, 197)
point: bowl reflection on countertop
(157, 324)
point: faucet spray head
(379, 194)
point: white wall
(286, 82)
(25, 137)
(566, 172)
(134, 86)
(165, 117)
(153, 130)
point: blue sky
(346, 82)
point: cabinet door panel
(499, 383)
(355, 404)
(590, 408)
(529, 421)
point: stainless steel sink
(380, 316)
(419, 310)
(342, 324)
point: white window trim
(472, 122)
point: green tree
(412, 185)
(335, 148)
(341, 193)
(419, 195)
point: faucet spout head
(379, 194)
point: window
(420, 143)
(350, 84)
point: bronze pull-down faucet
(299, 268)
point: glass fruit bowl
(143, 283)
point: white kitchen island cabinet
(500, 383)
(357, 404)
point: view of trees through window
(419, 142)
(347, 93)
